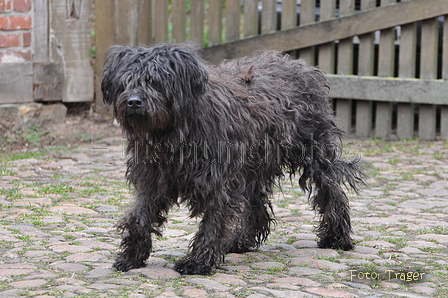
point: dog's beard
(148, 119)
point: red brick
(20, 23)
(4, 23)
(22, 5)
(5, 5)
(26, 42)
(10, 40)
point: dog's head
(154, 87)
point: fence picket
(215, 22)
(289, 14)
(268, 16)
(366, 51)
(232, 20)
(179, 20)
(250, 11)
(196, 21)
(405, 120)
(444, 122)
(428, 70)
(406, 69)
(345, 66)
(160, 18)
(308, 16)
(444, 109)
(326, 51)
(386, 56)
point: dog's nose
(135, 103)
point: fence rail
(387, 61)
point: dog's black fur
(218, 139)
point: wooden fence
(387, 61)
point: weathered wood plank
(196, 21)
(124, 24)
(326, 56)
(289, 14)
(429, 44)
(327, 31)
(381, 89)
(74, 41)
(232, 20)
(41, 31)
(445, 49)
(250, 12)
(161, 19)
(386, 56)
(428, 70)
(366, 57)
(383, 118)
(406, 69)
(427, 122)
(405, 121)
(268, 16)
(444, 123)
(180, 20)
(366, 50)
(308, 16)
(104, 38)
(344, 113)
(215, 22)
(345, 46)
(363, 118)
(144, 25)
(408, 51)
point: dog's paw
(189, 267)
(346, 244)
(124, 266)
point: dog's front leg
(136, 229)
(217, 232)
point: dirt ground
(81, 125)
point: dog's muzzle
(134, 103)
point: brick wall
(16, 22)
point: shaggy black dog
(218, 139)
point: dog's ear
(184, 76)
(114, 63)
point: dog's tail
(349, 173)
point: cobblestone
(57, 236)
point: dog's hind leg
(137, 228)
(329, 199)
(255, 222)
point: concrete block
(16, 82)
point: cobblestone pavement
(58, 207)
